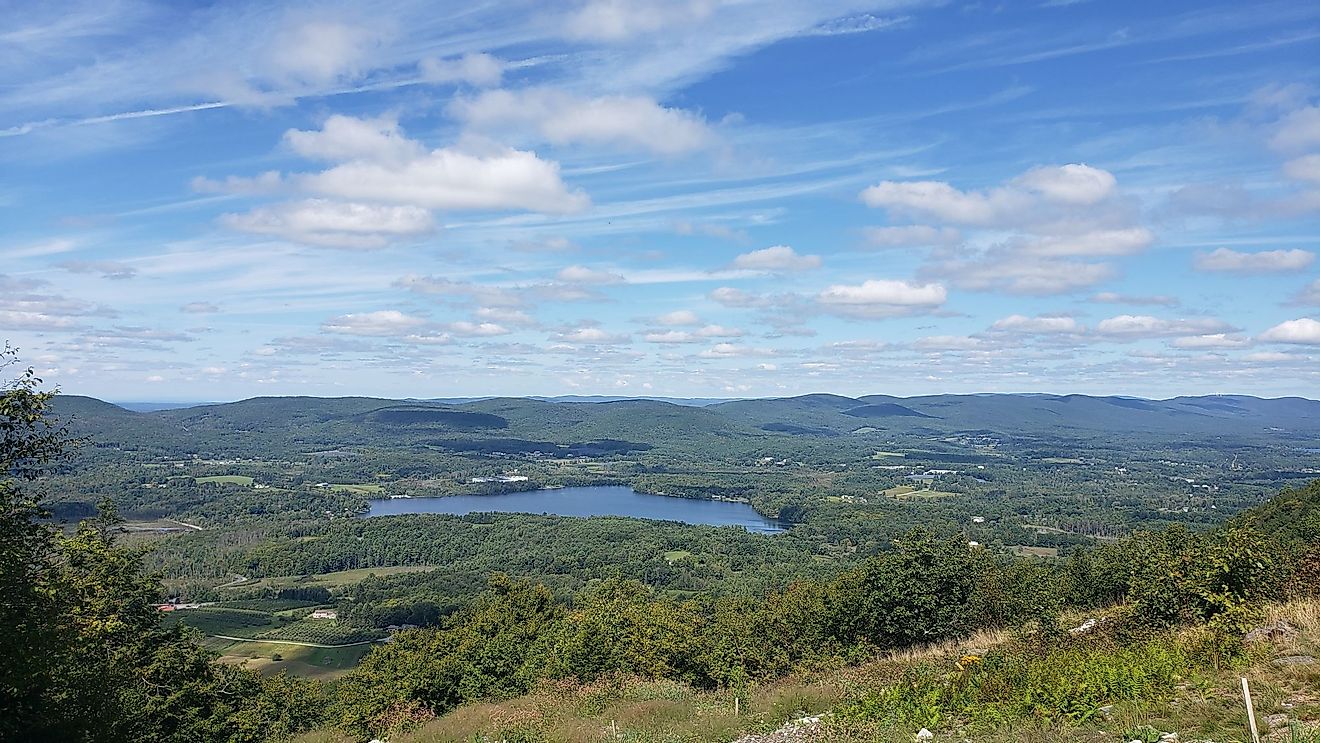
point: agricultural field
(332, 580)
(272, 658)
(243, 480)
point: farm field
(271, 658)
(333, 580)
(227, 480)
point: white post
(1251, 712)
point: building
(324, 614)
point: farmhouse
(324, 614)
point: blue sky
(683, 198)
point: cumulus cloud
(1068, 185)
(778, 258)
(476, 69)
(562, 118)
(335, 224)
(948, 343)
(881, 298)
(1135, 327)
(1264, 261)
(452, 179)
(383, 323)
(1027, 232)
(684, 336)
(1302, 331)
(734, 350)
(1043, 324)
(350, 138)
(590, 336)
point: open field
(333, 580)
(907, 492)
(321, 663)
(227, 480)
(357, 489)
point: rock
(924, 734)
(1295, 660)
(1277, 721)
(1168, 738)
(1084, 627)
(1106, 710)
(1274, 631)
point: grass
(676, 555)
(1155, 685)
(907, 492)
(358, 489)
(333, 580)
(320, 663)
(243, 480)
(1019, 549)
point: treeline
(925, 589)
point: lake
(604, 500)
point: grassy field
(243, 480)
(907, 492)
(1205, 704)
(357, 489)
(1036, 551)
(321, 663)
(332, 580)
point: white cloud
(1116, 298)
(1133, 327)
(585, 275)
(1265, 261)
(1212, 340)
(451, 179)
(1123, 241)
(107, 269)
(678, 318)
(1305, 168)
(1070, 184)
(912, 236)
(268, 182)
(383, 323)
(701, 334)
(563, 118)
(881, 298)
(335, 224)
(476, 69)
(321, 51)
(590, 336)
(1045, 324)
(1302, 331)
(731, 297)
(1021, 274)
(199, 308)
(1309, 295)
(1298, 130)
(1066, 185)
(343, 138)
(617, 20)
(477, 329)
(734, 350)
(778, 258)
(948, 343)
(669, 336)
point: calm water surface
(613, 500)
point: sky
(717, 198)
